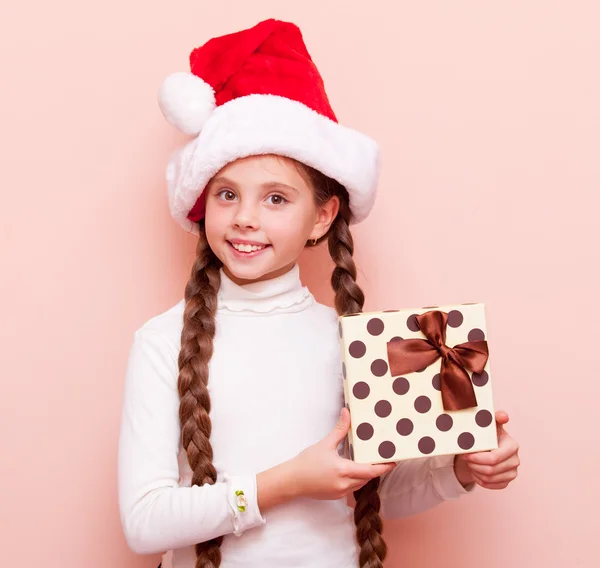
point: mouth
(247, 249)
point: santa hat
(255, 92)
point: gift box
(417, 382)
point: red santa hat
(254, 92)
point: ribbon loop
(410, 355)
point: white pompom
(186, 101)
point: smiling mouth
(247, 247)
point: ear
(325, 217)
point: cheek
(290, 233)
(291, 225)
(214, 226)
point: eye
(226, 194)
(277, 199)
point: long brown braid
(197, 349)
(349, 299)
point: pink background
(488, 118)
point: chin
(248, 274)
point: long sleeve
(157, 514)
(419, 484)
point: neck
(276, 295)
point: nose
(246, 216)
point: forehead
(264, 169)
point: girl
(231, 440)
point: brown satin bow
(409, 355)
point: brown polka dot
(404, 427)
(426, 445)
(455, 318)
(480, 379)
(483, 418)
(436, 382)
(357, 349)
(397, 338)
(383, 408)
(387, 450)
(375, 326)
(476, 334)
(361, 390)
(379, 367)
(412, 323)
(422, 404)
(401, 385)
(444, 422)
(466, 441)
(344, 370)
(351, 452)
(364, 431)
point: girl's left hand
(493, 469)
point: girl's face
(260, 212)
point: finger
(489, 485)
(502, 418)
(340, 431)
(493, 457)
(358, 484)
(511, 463)
(362, 471)
(506, 477)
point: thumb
(501, 419)
(341, 429)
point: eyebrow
(269, 185)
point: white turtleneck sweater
(275, 387)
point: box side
(347, 398)
(359, 383)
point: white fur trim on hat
(186, 101)
(268, 124)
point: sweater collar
(283, 294)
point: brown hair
(197, 349)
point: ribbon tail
(457, 389)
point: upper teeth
(247, 248)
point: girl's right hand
(319, 472)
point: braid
(196, 351)
(349, 298)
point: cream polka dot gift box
(417, 382)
